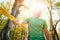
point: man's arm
(24, 22)
(21, 25)
(47, 34)
(16, 22)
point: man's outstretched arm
(20, 24)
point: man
(37, 27)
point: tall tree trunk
(51, 24)
(9, 24)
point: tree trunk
(55, 35)
(14, 12)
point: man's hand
(15, 22)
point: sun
(30, 5)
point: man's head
(37, 13)
(36, 10)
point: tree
(3, 21)
(9, 24)
(55, 35)
(52, 27)
(57, 5)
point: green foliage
(57, 4)
(59, 35)
(59, 14)
(2, 22)
(16, 34)
(5, 7)
(2, 17)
